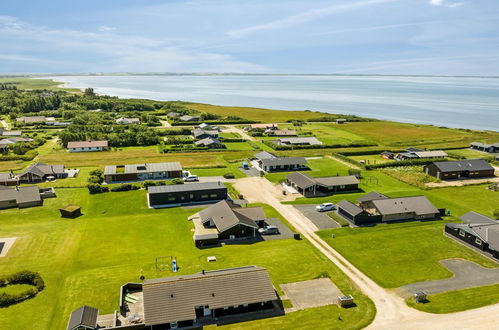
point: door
(207, 311)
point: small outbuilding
(345, 301)
(70, 211)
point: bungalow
(271, 163)
(226, 220)
(200, 134)
(58, 123)
(5, 143)
(20, 197)
(283, 132)
(262, 127)
(341, 121)
(30, 120)
(40, 172)
(387, 155)
(12, 133)
(145, 171)
(87, 146)
(209, 142)
(307, 185)
(187, 118)
(413, 153)
(8, 179)
(478, 231)
(470, 168)
(375, 207)
(182, 194)
(173, 114)
(298, 141)
(492, 148)
(205, 126)
(187, 301)
(127, 121)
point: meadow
(323, 166)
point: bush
(96, 188)
(496, 214)
(177, 181)
(409, 162)
(123, 187)
(229, 176)
(23, 277)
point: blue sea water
(463, 102)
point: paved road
(392, 312)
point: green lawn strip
(460, 300)
(339, 219)
(415, 249)
(85, 260)
(238, 146)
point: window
(462, 233)
(213, 195)
(478, 241)
(204, 196)
(171, 198)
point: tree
(496, 214)
(89, 92)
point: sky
(436, 37)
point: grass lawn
(469, 153)
(460, 300)
(413, 175)
(85, 260)
(319, 167)
(330, 133)
(371, 159)
(415, 249)
(30, 83)
(239, 146)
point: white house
(86, 146)
(127, 121)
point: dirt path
(165, 123)
(234, 129)
(344, 162)
(392, 312)
(4, 124)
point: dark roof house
(298, 141)
(307, 185)
(460, 169)
(270, 162)
(39, 172)
(183, 194)
(83, 318)
(209, 142)
(145, 171)
(199, 133)
(20, 197)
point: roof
(349, 207)
(130, 120)
(473, 217)
(83, 316)
(189, 118)
(373, 195)
(175, 298)
(430, 154)
(21, 194)
(300, 140)
(173, 114)
(143, 168)
(488, 232)
(225, 216)
(12, 133)
(337, 180)
(284, 161)
(284, 132)
(13, 140)
(7, 176)
(185, 187)
(301, 180)
(42, 169)
(420, 205)
(463, 165)
(484, 145)
(71, 208)
(87, 144)
(264, 125)
(199, 132)
(32, 119)
(264, 155)
(207, 141)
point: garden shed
(70, 211)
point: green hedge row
(410, 162)
(213, 122)
(320, 146)
(22, 277)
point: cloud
(305, 17)
(65, 50)
(446, 3)
(105, 28)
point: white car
(325, 207)
(191, 178)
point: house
(188, 301)
(31, 120)
(271, 163)
(283, 132)
(187, 118)
(127, 121)
(5, 143)
(341, 121)
(87, 146)
(492, 148)
(58, 123)
(209, 142)
(298, 141)
(12, 133)
(181, 194)
(414, 153)
(20, 197)
(387, 155)
(375, 207)
(144, 171)
(8, 179)
(200, 134)
(307, 185)
(470, 168)
(40, 172)
(478, 231)
(173, 114)
(262, 127)
(205, 126)
(83, 318)
(226, 220)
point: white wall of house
(86, 149)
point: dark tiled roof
(185, 187)
(284, 161)
(350, 207)
(42, 169)
(84, 316)
(175, 298)
(207, 141)
(373, 195)
(224, 216)
(301, 180)
(21, 194)
(464, 165)
(420, 205)
(473, 217)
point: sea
(458, 102)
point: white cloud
(105, 28)
(446, 3)
(305, 17)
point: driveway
(312, 293)
(213, 179)
(234, 129)
(284, 231)
(320, 219)
(250, 171)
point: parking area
(320, 219)
(312, 293)
(284, 231)
(251, 171)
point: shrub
(123, 187)
(23, 277)
(229, 176)
(95, 188)
(177, 181)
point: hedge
(405, 163)
(30, 155)
(346, 159)
(22, 277)
(212, 122)
(319, 146)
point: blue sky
(441, 37)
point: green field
(469, 153)
(319, 167)
(30, 83)
(85, 260)
(414, 250)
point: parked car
(325, 207)
(191, 178)
(245, 166)
(269, 230)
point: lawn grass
(413, 175)
(30, 83)
(469, 153)
(85, 260)
(371, 159)
(238, 146)
(319, 167)
(415, 249)
(460, 300)
(331, 133)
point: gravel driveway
(320, 219)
